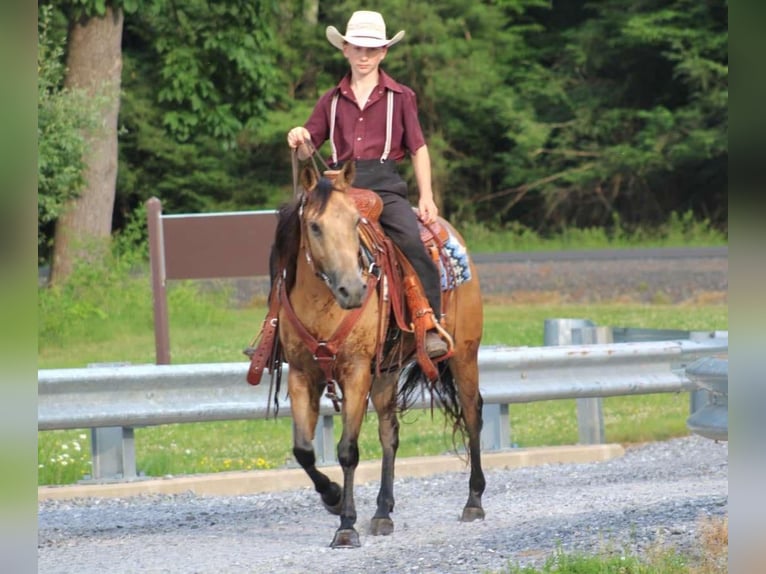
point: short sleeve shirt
(361, 134)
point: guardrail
(115, 399)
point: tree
(94, 66)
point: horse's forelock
(320, 195)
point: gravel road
(655, 494)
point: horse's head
(329, 225)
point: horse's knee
(348, 453)
(305, 457)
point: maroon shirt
(361, 134)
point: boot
(435, 345)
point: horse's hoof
(471, 513)
(345, 538)
(333, 499)
(381, 526)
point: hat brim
(337, 39)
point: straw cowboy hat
(364, 28)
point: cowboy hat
(364, 28)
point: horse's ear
(308, 178)
(348, 173)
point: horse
(330, 327)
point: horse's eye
(315, 229)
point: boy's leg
(401, 225)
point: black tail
(413, 382)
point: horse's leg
(465, 369)
(384, 398)
(304, 403)
(356, 387)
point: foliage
(551, 117)
(213, 64)
(638, 121)
(197, 79)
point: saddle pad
(458, 262)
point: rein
(313, 154)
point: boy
(372, 120)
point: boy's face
(364, 60)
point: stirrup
(435, 346)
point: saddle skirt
(447, 253)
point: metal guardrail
(139, 395)
(118, 398)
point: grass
(681, 230)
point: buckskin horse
(336, 318)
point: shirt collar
(385, 81)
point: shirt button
(360, 119)
(359, 139)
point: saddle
(401, 297)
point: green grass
(668, 562)
(204, 329)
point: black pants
(400, 222)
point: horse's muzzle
(350, 292)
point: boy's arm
(421, 164)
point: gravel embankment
(655, 494)
(657, 277)
(677, 275)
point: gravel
(656, 494)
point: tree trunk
(94, 64)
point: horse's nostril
(343, 291)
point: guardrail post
(590, 412)
(496, 427)
(590, 418)
(112, 449)
(324, 440)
